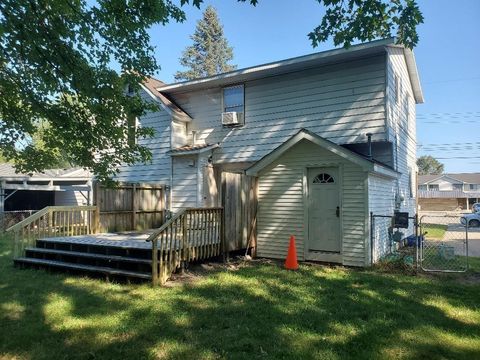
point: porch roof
(367, 164)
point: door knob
(338, 211)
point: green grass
(257, 312)
(434, 231)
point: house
(307, 146)
(448, 192)
(31, 192)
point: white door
(323, 210)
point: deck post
(154, 262)
(96, 220)
(222, 236)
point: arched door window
(323, 178)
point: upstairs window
(233, 99)
(457, 186)
(422, 187)
(433, 187)
(472, 186)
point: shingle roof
(152, 85)
(8, 171)
(192, 149)
(469, 178)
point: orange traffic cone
(291, 262)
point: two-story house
(448, 192)
(326, 138)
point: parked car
(473, 220)
(476, 208)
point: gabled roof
(304, 134)
(7, 172)
(300, 63)
(151, 85)
(468, 178)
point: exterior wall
(444, 204)
(70, 198)
(179, 134)
(381, 200)
(340, 102)
(281, 211)
(401, 127)
(184, 184)
(159, 169)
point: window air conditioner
(232, 118)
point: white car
(473, 219)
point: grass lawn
(256, 312)
(434, 231)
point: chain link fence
(444, 245)
(392, 247)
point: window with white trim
(234, 99)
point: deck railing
(54, 221)
(192, 234)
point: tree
(428, 165)
(69, 62)
(364, 20)
(210, 53)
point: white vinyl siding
(401, 126)
(340, 102)
(281, 211)
(159, 169)
(381, 199)
(184, 185)
(70, 198)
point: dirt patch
(197, 271)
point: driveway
(455, 233)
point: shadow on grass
(256, 312)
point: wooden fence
(239, 200)
(130, 206)
(192, 234)
(54, 221)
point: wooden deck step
(83, 268)
(87, 255)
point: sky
(448, 60)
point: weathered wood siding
(281, 211)
(239, 200)
(130, 207)
(159, 169)
(381, 199)
(340, 102)
(401, 128)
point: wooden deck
(120, 240)
(191, 235)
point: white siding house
(329, 137)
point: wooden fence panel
(239, 200)
(130, 207)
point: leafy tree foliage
(428, 165)
(59, 62)
(210, 53)
(364, 20)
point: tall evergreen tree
(210, 52)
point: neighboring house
(300, 128)
(52, 187)
(448, 192)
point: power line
(457, 157)
(451, 80)
(443, 114)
